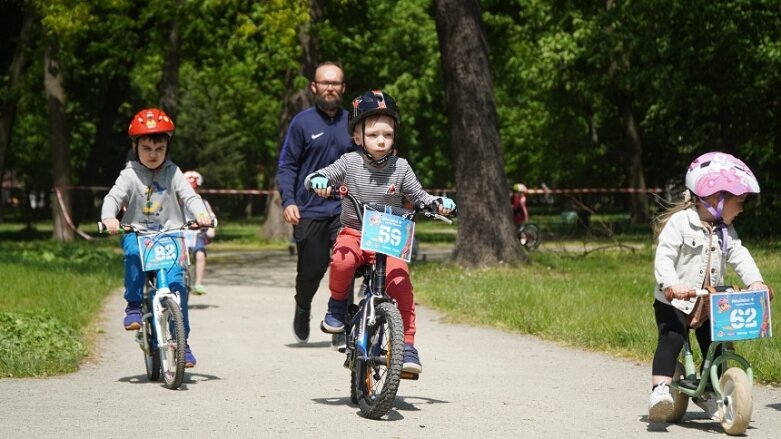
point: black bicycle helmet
(371, 103)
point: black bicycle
(375, 332)
(529, 235)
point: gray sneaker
(709, 404)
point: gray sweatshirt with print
(155, 199)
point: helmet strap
(718, 216)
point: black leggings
(673, 330)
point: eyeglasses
(326, 84)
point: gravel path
(253, 380)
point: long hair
(670, 209)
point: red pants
(348, 256)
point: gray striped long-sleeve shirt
(388, 184)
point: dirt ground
(254, 380)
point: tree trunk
(486, 235)
(99, 165)
(638, 201)
(168, 88)
(275, 227)
(8, 106)
(58, 137)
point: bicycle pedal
(410, 376)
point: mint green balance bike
(735, 316)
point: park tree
(479, 168)
(297, 97)
(13, 87)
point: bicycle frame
(710, 368)
(159, 291)
(363, 314)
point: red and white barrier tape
(66, 215)
(654, 190)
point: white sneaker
(707, 402)
(660, 403)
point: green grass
(49, 299)
(51, 295)
(601, 301)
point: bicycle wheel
(172, 353)
(738, 404)
(152, 354)
(377, 376)
(529, 235)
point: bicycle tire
(172, 354)
(529, 236)
(151, 358)
(378, 376)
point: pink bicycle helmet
(715, 172)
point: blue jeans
(135, 278)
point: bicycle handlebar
(699, 292)
(430, 210)
(129, 228)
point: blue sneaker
(411, 360)
(189, 358)
(333, 322)
(132, 320)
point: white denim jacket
(682, 256)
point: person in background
(518, 201)
(316, 137)
(203, 237)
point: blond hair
(670, 209)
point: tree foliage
(693, 75)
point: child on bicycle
(696, 242)
(203, 237)
(154, 190)
(374, 174)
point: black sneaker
(301, 324)
(339, 342)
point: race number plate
(387, 234)
(162, 251)
(743, 315)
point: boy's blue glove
(448, 203)
(319, 182)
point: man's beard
(328, 106)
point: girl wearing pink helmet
(696, 241)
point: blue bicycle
(375, 332)
(162, 336)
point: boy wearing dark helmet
(374, 174)
(154, 191)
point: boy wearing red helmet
(374, 174)
(154, 190)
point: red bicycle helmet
(150, 121)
